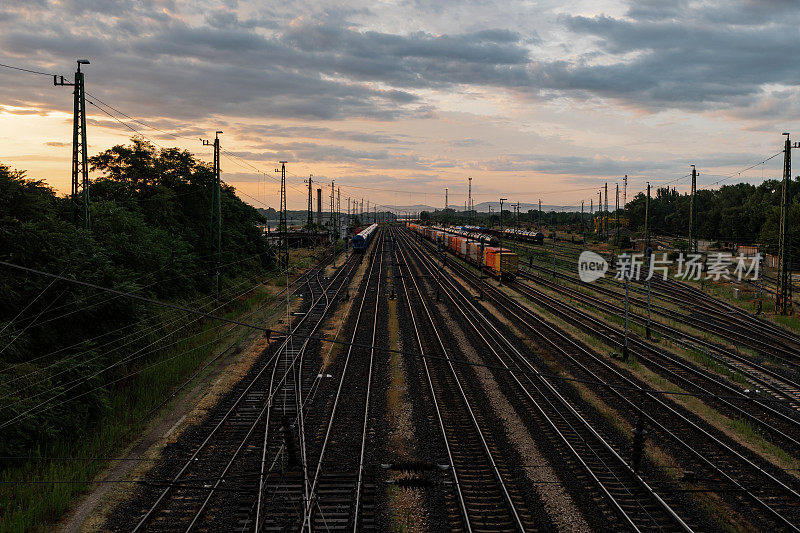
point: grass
(28, 501)
(709, 363)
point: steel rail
(210, 435)
(367, 394)
(495, 470)
(600, 329)
(556, 333)
(309, 511)
(681, 337)
(620, 461)
(298, 385)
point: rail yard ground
(414, 394)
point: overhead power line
(28, 70)
(280, 333)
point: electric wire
(325, 339)
(108, 299)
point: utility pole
(216, 209)
(616, 213)
(500, 240)
(624, 191)
(445, 218)
(605, 211)
(332, 220)
(516, 229)
(80, 168)
(647, 218)
(469, 200)
(583, 232)
(283, 257)
(783, 289)
(554, 245)
(692, 207)
(310, 221)
(319, 206)
(600, 212)
(339, 211)
(540, 214)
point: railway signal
(80, 168)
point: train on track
(475, 248)
(478, 232)
(535, 237)
(362, 238)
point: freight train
(535, 237)
(498, 262)
(362, 238)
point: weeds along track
(213, 473)
(623, 498)
(712, 463)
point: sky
(398, 100)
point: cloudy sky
(397, 100)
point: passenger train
(362, 238)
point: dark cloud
(664, 55)
(604, 166)
(258, 132)
(320, 67)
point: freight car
(361, 240)
(499, 262)
(535, 237)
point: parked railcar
(361, 240)
(474, 248)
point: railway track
(774, 371)
(779, 424)
(341, 486)
(704, 312)
(777, 383)
(219, 482)
(484, 495)
(716, 466)
(630, 502)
